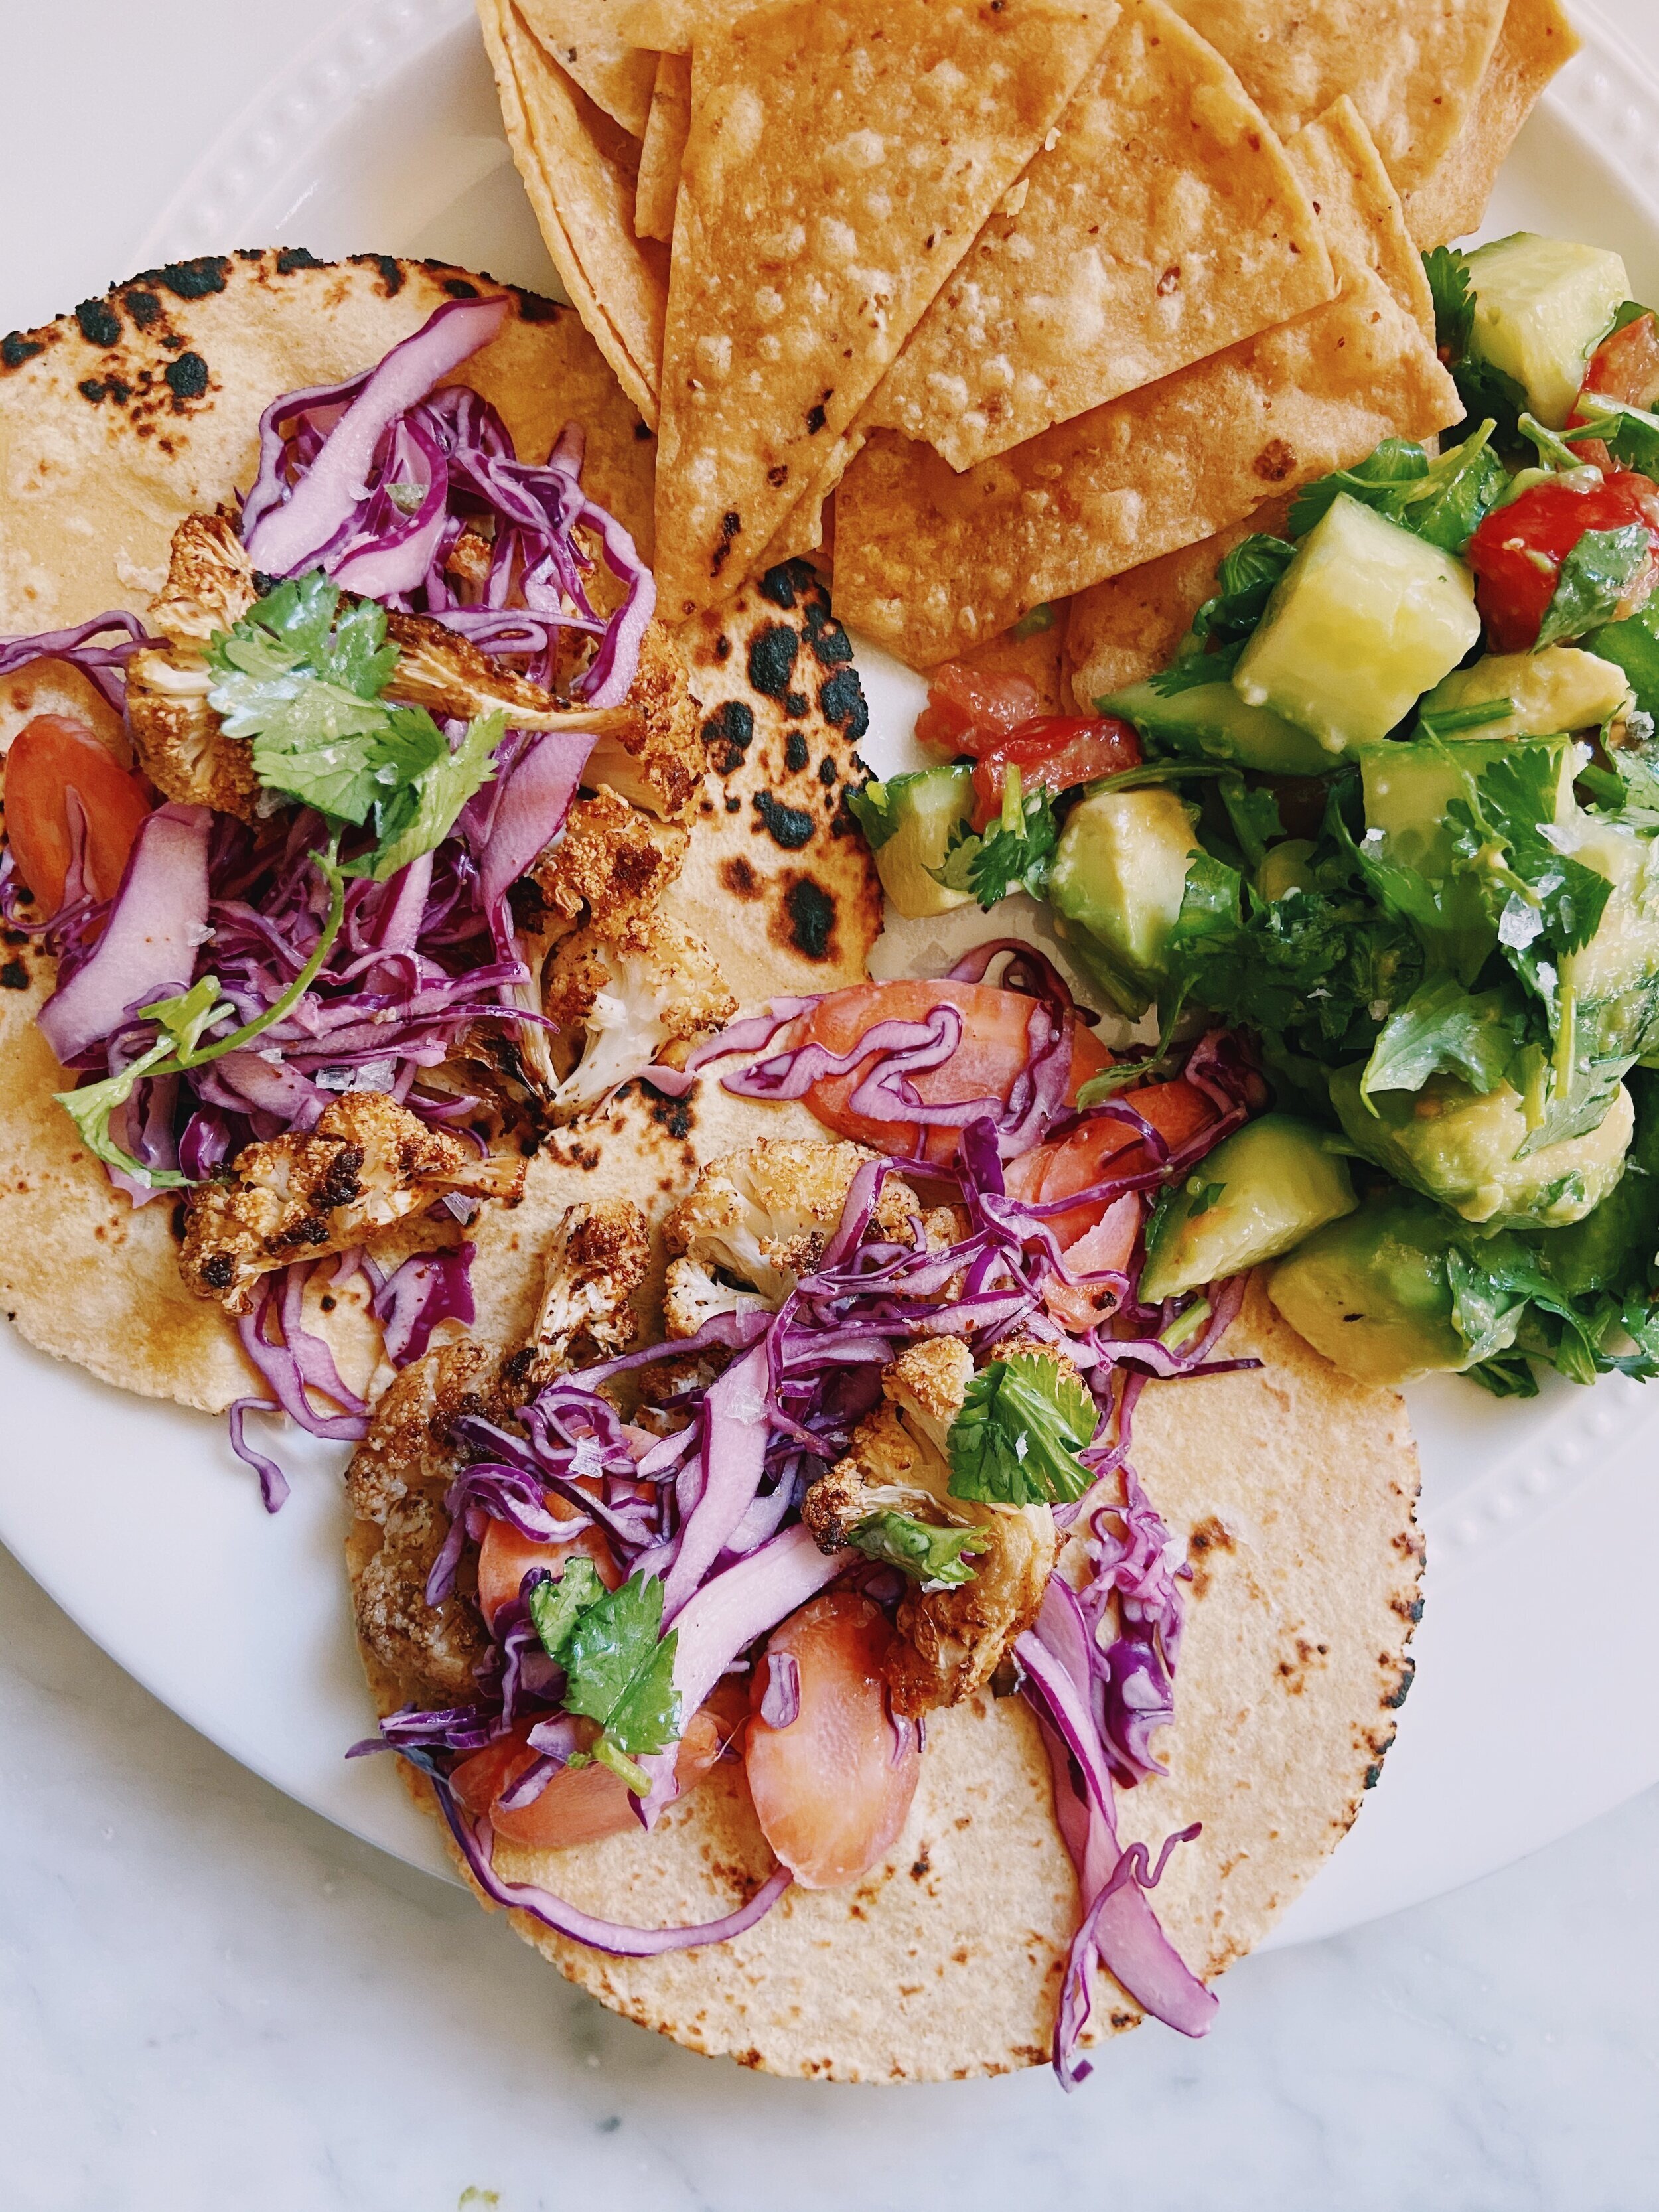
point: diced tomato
(582, 1804)
(1625, 365)
(1177, 1109)
(969, 710)
(505, 1558)
(833, 1788)
(1108, 1245)
(49, 757)
(1054, 753)
(995, 1048)
(1517, 552)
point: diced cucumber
(1559, 690)
(1257, 1195)
(1365, 619)
(1469, 1151)
(1120, 872)
(1541, 307)
(1212, 720)
(1614, 981)
(908, 821)
(1371, 1292)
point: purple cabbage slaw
(710, 1508)
(373, 480)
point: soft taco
(366, 838)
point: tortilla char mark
(781, 713)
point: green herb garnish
(1016, 1441)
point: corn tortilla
(663, 148)
(840, 159)
(928, 562)
(584, 38)
(1292, 1490)
(1536, 40)
(1165, 223)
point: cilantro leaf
(1484, 390)
(1374, 482)
(1253, 813)
(1244, 583)
(1023, 1423)
(1630, 434)
(1002, 859)
(1448, 272)
(619, 1668)
(1443, 1030)
(1443, 500)
(556, 1606)
(1596, 576)
(1189, 669)
(931, 1555)
(345, 648)
(1634, 644)
(873, 807)
(422, 810)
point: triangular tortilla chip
(579, 170)
(840, 161)
(1165, 223)
(1129, 626)
(1412, 68)
(1537, 39)
(928, 562)
(663, 148)
(582, 36)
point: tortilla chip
(1165, 224)
(115, 423)
(674, 26)
(1129, 626)
(1292, 1490)
(584, 39)
(664, 148)
(928, 562)
(841, 158)
(579, 170)
(1536, 40)
(1413, 68)
(779, 878)
(1036, 651)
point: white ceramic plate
(1536, 1705)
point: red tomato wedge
(1517, 552)
(969, 710)
(1177, 1109)
(1109, 1245)
(505, 1558)
(1053, 753)
(996, 1025)
(1625, 365)
(48, 759)
(832, 1790)
(582, 1804)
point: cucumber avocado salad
(1394, 809)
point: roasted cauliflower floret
(613, 862)
(368, 1164)
(762, 1218)
(951, 1640)
(411, 1443)
(179, 740)
(429, 1651)
(598, 1260)
(209, 584)
(636, 1003)
(449, 676)
(652, 755)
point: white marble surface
(209, 1998)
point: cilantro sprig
(619, 1666)
(1014, 852)
(1024, 1421)
(937, 1558)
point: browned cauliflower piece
(598, 1260)
(950, 1640)
(636, 1002)
(449, 676)
(429, 1651)
(209, 584)
(614, 862)
(654, 755)
(368, 1164)
(179, 740)
(764, 1217)
(410, 1445)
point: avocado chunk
(1212, 721)
(1469, 1151)
(1258, 1193)
(1366, 618)
(1373, 1292)
(1119, 873)
(1560, 689)
(1407, 789)
(1615, 1243)
(908, 820)
(1614, 981)
(1286, 867)
(1541, 307)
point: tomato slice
(969, 708)
(505, 1558)
(1177, 1109)
(994, 1049)
(1625, 365)
(1109, 1244)
(1053, 753)
(50, 757)
(583, 1804)
(833, 1788)
(1517, 552)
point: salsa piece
(1519, 551)
(1053, 753)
